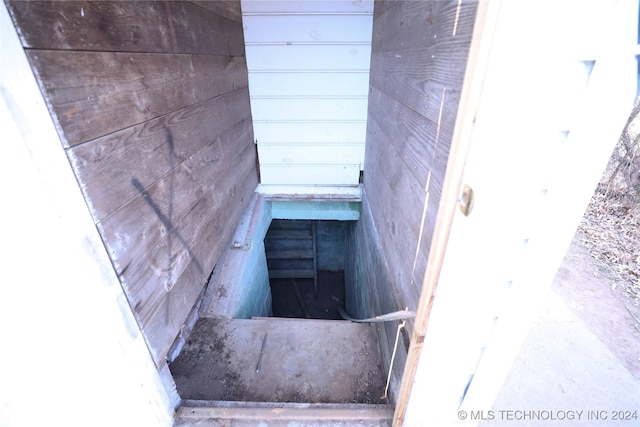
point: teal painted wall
(239, 286)
(331, 244)
(254, 284)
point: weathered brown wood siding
(151, 103)
(419, 54)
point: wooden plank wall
(151, 103)
(419, 53)
(371, 292)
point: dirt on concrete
(306, 361)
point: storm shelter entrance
(270, 328)
(306, 262)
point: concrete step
(304, 361)
(216, 413)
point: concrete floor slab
(311, 361)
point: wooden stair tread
(290, 254)
(291, 274)
(289, 234)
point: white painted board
(310, 174)
(308, 57)
(315, 132)
(310, 109)
(300, 84)
(299, 154)
(307, 29)
(308, 67)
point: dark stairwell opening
(306, 262)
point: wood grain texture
(95, 93)
(228, 8)
(374, 289)
(397, 203)
(418, 82)
(172, 233)
(412, 135)
(416, 55)
(107, 164)
(126, 26)
(217, 226)
(151, 101)
(421, 24)
(140, 228)
(419, 53)
(381, 7)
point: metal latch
(466, 200)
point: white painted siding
(309, 81)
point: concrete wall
(239, 286)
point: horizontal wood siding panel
(378, 289)
(307, 29)
(308, 58)
(308, 84)
(424, 24)
(381, 7)
(412, 135)
(166, 320)
(180, 224)
(418, 61)
(127, 26)
(418, 82)
(151, 149)
(205, 33)
(416, 56)
(318, 109)
(95, 93)
(167, 201)
(151, 101)
(397, 203)
(228, 8)
(330, 132)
